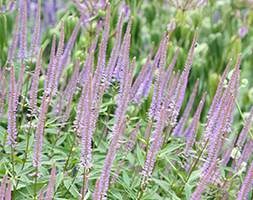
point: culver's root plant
(125, 100)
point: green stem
(196, 161)
(143, 185)
(85, 181)
(35, 182)
(26, 149)
(69, 155)
(13, 163)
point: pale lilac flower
(243, 31)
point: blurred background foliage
(223, 28)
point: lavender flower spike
(38, 138)
(245, 129)
(204, 180)
(51, 184)
(3, 89)
(14, 43)
(246, 185)
(36, 32)
(23, 29)
(190, 132)
(102, 183)
(3, 187)
(35, 82)
(8, 191)
(85, 125)
(69, 47)
(182, 83)
(156, 142)
(12, 130)
(178, 130)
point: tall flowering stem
(102, 183)
(23, 29)
(246, 185)
(178, 130)
(35, 82)
(12, 130)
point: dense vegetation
(126, 99)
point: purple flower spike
(102, 183)
(204, 180)
(35, 82)
(178, 131)
(245, 129)
(246, 185)
(36, 32)
(3, 187)
(190, 132)
(51, 184)
(182, 83)
(3, 90)
(12, 105)
(14, 43)
(23, 29)
(156, 142)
